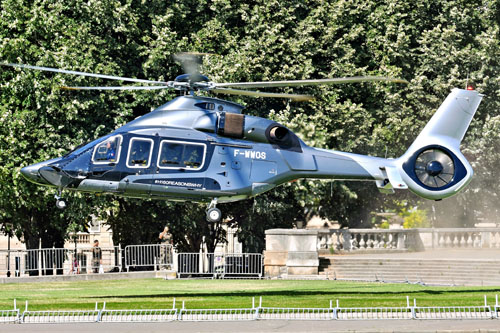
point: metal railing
(270, 313)
(141, 315)
(71, 316)
(9, 316)
(408, 312)
(58, 261)
(151, 255)
(374, 313)
(454, 312)
(223, 264)
(216, 314)
(45, 261)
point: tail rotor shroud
(434, 168)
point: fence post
(415, 308)
(179, 316)
(99, 315)
(24, 312)
(175, 259)
(496, 306)
(54, 260)
(412, 309)
(336, 311)
(40, 258)
(257, 309)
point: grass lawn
(159, 293)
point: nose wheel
(213, 214)
(60, 202)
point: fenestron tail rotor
(193, 81)
(434, 168)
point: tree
(435, 46)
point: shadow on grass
(292, 293)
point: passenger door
(140, 164)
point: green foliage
(416, 218)
(434, 45)
(384, 225)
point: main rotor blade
(117, 88)
(294, 83)
(293, 97)
(63, 71)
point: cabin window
(139, 153)
(176, 154)
(108, 151)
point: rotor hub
(191, 78)
(434, 168)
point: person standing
(165, 250)
(96, 257)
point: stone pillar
(291, 251)
(346, 239)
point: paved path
(448, 326)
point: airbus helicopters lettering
(197, 148)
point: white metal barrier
(74, 316)
(454, 312)
(151, 255)
(142, 315)
(9, 316)
(216, 314)
(374, 313)
(110, 260)
(54, 261)
(58, 316)
(220, 264)
(254, 313)
(57, 261)
(296, 313)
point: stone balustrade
(367, 239)
(347, 240)
(460, 237)
(296, 251)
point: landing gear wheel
(214, 215)
(61, 204)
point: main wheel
(214, 215)
(61, 204)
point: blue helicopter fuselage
(196, 149)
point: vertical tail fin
(451, 120)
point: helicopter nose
(31, 173)
(53, 176)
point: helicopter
(202, 149)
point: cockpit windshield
(108, 151)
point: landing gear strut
(213, 214)
(60, 202)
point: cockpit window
(177, 154)
(139, 153)
(108, 151)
